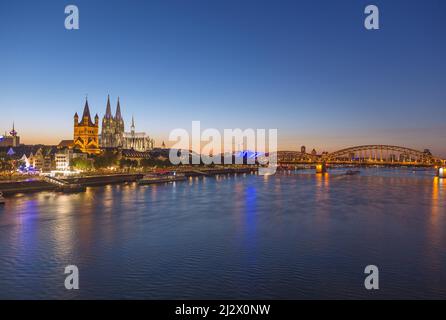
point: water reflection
(250, 234)
(435, 225)
(291, 235)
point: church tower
(119, 127)
(132, 128)
(108, 128)
(86, 136)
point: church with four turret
(86, 131)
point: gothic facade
(137, 141)
(112, 127)
(113, 133)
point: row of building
(86, 141)
(41, 157)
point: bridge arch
(381, 153)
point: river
(294, 235)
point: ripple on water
(286, 236)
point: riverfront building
(63, 158)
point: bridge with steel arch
(381, 153)
(365, 154)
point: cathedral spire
(86, 110)
(108, 113)
(86, 114)
(118, 111)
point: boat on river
(166, 178)
(352, 172)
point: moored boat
(153, 179)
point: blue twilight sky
(308, 68)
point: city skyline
(217, 158)
(173, 63)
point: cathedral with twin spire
(113, 133)
(112, 127)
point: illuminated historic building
(35, 157)
(138, 141)
(108, 128)
(113, 133)
(86, 137)
(112, 127)
(119, 125)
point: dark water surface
(287, 236)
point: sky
(307, 68)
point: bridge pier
(321, 167)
